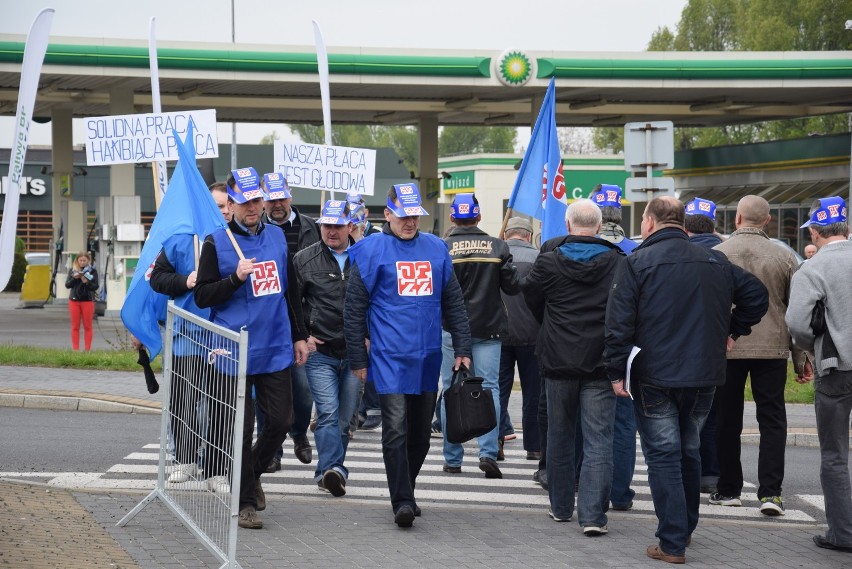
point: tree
(401, 138)
(575, 140)
(455, 140)
(662, 40)
(754, 25)
(270, 138)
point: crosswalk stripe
(138, 471)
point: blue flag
(540, 187)
(187, 208)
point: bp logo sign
(514, 68)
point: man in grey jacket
(763, 356)
(818, 316)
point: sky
(488, 26)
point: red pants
(81, 310)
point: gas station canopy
(254, 83)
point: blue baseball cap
(276, 187)
(246, 186)
(464, 207)
(409, 201)
(699, 206)
(831, 210)
(357, 213)
(354, 197)
(607, 195)
(334, 212)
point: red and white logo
(611, 195)
(558, 190)
(405, 190)
(244, 173)
(464, 208)
(822, 216)
(150, 269)
(704, 206)
(833, 210)
(414, 278)
(265, 279)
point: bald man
(810, 250)
(672, 299)
(763, 356)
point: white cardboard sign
(130, 139)
(330, 168)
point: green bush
(20, 246)
(19, 267)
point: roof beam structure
(249, 83)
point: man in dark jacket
(700, 223)
(518, 346)
(300, 232)
(672, 300)
(483, 266)
(567, 292)
(323, 271)
(608, 198)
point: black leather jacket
(82, 290)
(323, 287)
(483, 267)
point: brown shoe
(260, 497)
(654, 552)
(248, 519)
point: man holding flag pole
(244, 275)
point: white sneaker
(182, 472)
(219, 485)
(593, 531)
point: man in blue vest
(243, 276)
(401, 284)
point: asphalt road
(71, 441)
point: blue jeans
(485, 363)
(594, 401)
(623, 453)
(524, 356)
(670, 421)
(406, 433)
(335, 390)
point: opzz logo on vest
(265, 279)
(414, 278)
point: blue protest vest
(260, 304)
(180, 251)
(405, 281)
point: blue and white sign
(130, 139)
(329, 168)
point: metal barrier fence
(198, 477)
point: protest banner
(330, 168)
(128, 139)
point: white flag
(34, 52)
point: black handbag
(469, 408)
